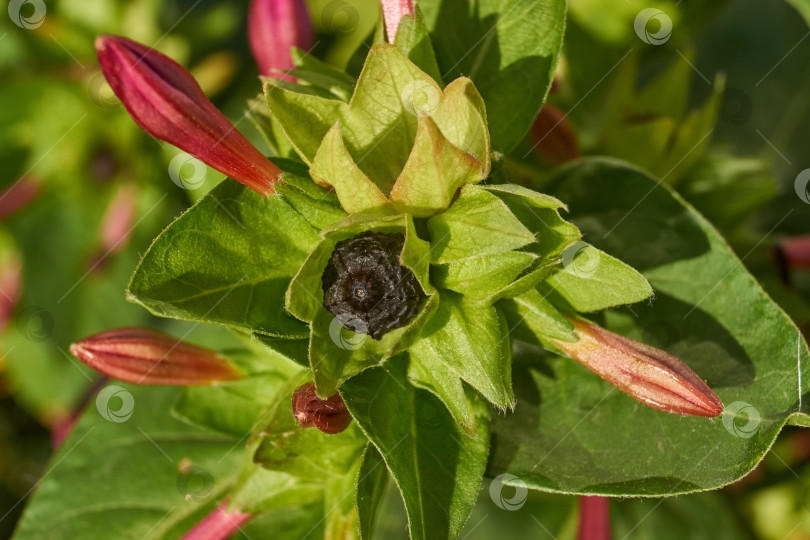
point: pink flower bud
(116, 225)
(18, 195)
(393, 11)
(142, 356)
(648, 375)
(218, 525)
(274, 26)
(329, 415)
(165, 100)
(10, 288)
(795, 251)
(594, 518)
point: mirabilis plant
(390, 269)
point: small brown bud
(329, 415)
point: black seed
(367, 289)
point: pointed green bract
(539, 318)
(435, 170)
(318, 206)
(334, 166)
(477, 224)
(413, 39)
(591, 280)
(477, 335)
(482, 278)
(462, 118)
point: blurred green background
(83, 191)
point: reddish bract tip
(274, 26)
(648, 375)
(393, 11)
(142, 356)
(328, 415)
(165, 100)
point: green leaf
(309, 69)
(572, 432)
(471, 341)
(233, 407)
(371, 483)
(167, 475)
(228, 260)
(334, 166)
(477, 224)
(591, 280)
(435, 170)
(437, 467)
(508, 48)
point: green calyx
(402, 155)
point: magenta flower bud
(274, 26)
(10, 288)
(18, 195)
(165, 100)
(796, 251)
(116, 225)
(329, 415)
(594, 518)
(393, 11)
(218, 525)
(648, 375)
(142, 356)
